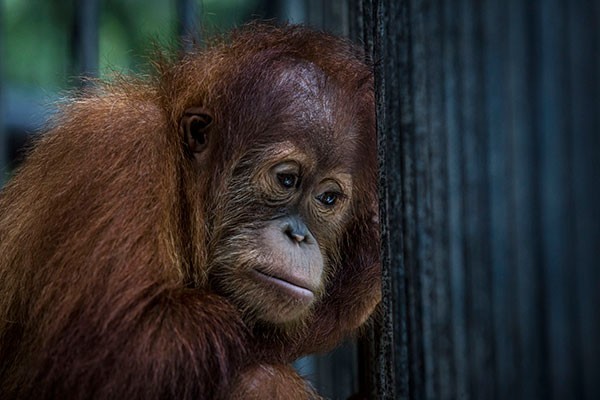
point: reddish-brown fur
(107, 230)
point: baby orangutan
(188, 235)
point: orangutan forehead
(303, 76)
(312, 97)
(312, 111)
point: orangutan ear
(194, 127)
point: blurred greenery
(37, 35)
(36, 42)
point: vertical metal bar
(334, 16)
(528, 290)
(268, 9)
(315, 13)
(189, 14)
(3, 137)
(558, 201)
(293, 11)
(356, 24)
(85, 38)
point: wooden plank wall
(489, 124)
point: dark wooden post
(489, 124)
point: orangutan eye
(288, 181)
(328, 198)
